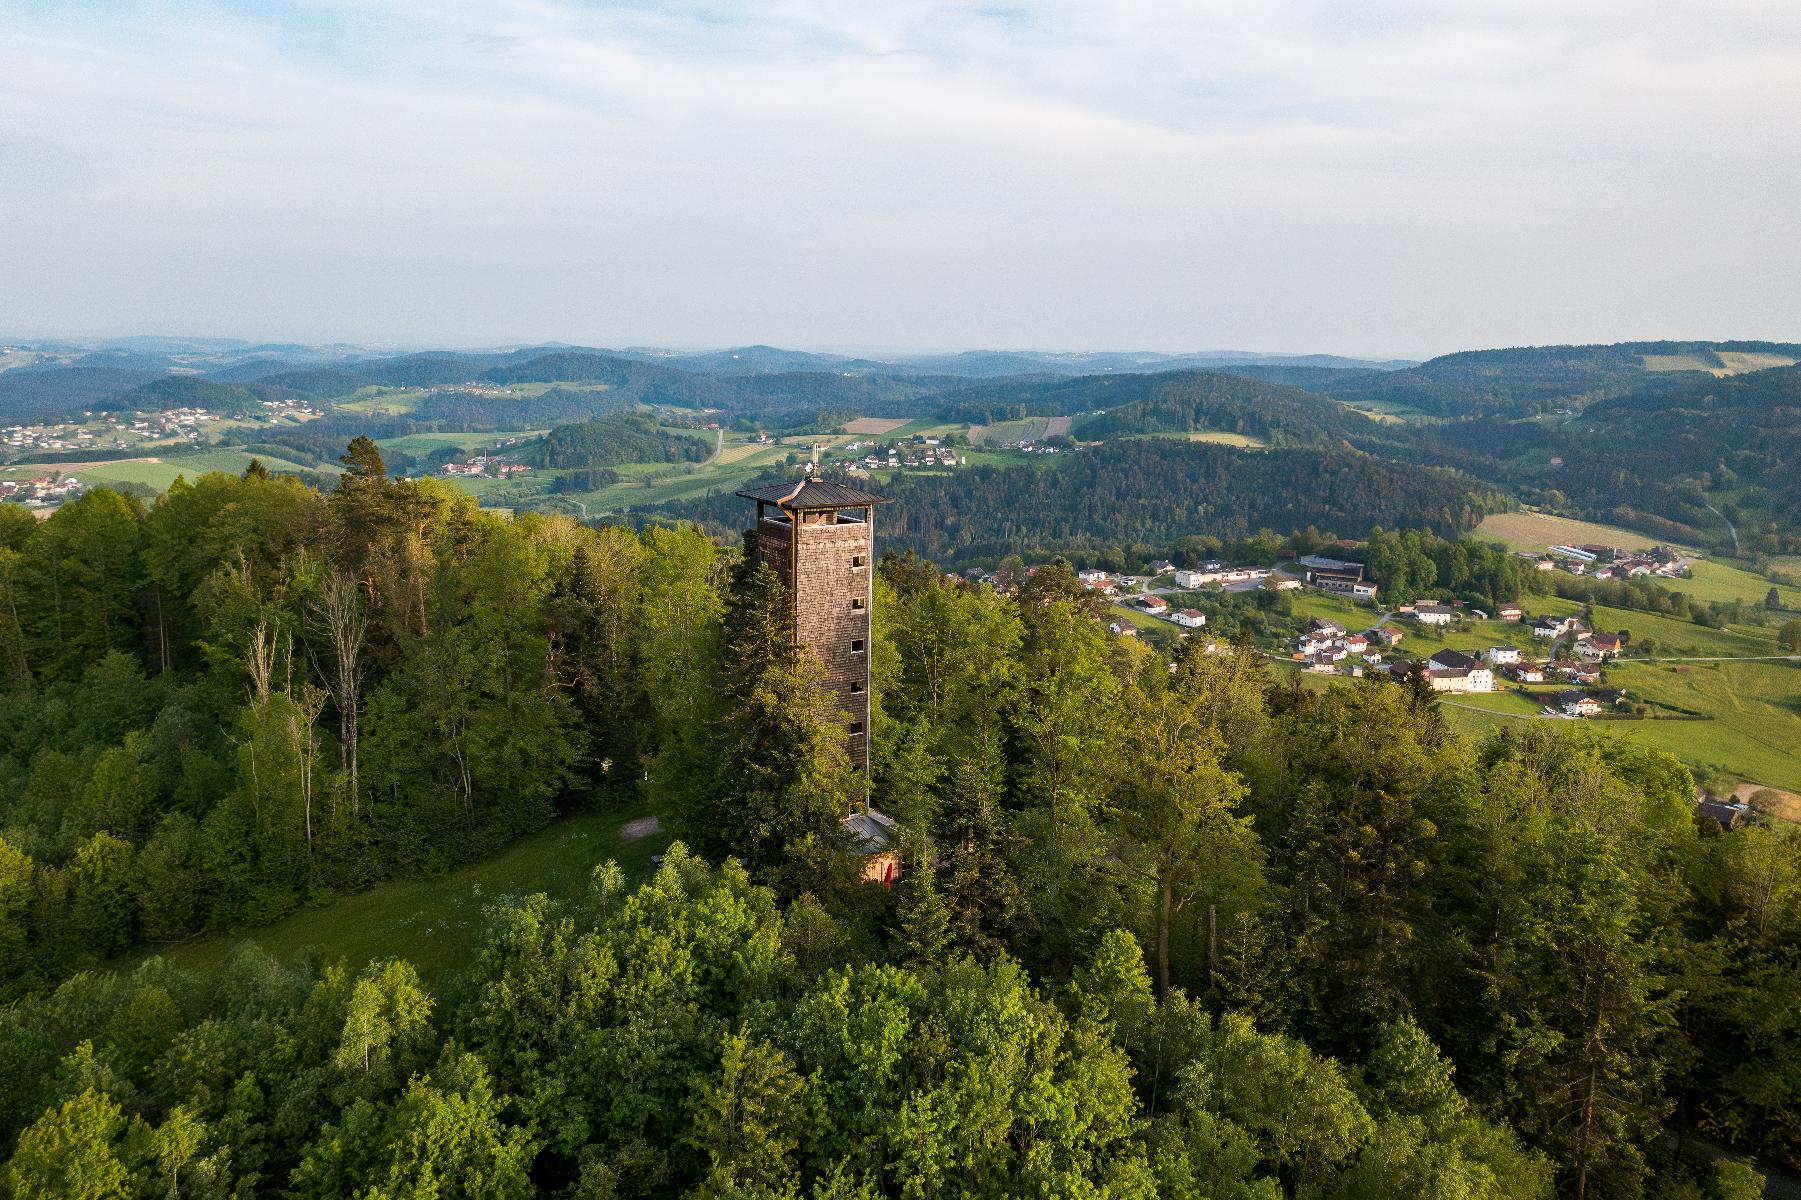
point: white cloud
(1389, 177)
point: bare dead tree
(303, 713)
(347, 626)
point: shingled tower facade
(819, 538)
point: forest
(614, 439)
(1169, 927)
(1139, 495)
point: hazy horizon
(1374, 180)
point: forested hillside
(1179, 933)
(1183, 402)
(1518, 381)
(1146, 493)
(619, 438)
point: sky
(1380, 179)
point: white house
(1190, 618)
(1433, 614)
(1501, 656)
(1455, 671)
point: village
(1572, 655)
(922, 451)
(135, 430)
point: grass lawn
(436, 923)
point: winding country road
(1730, 527)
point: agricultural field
(1756, 706)
(880, 426)
(1535, 531)
(1715, 581)
(1678, 638)
(1754, 733)
(437, 923)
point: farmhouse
(1578, 704)
(1511, 612)
(1454, 671)
(1598, 645)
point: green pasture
(1684, 638)
(1717, 582)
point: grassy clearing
(1679, 362)
(1740, 361)
(390, 400)
(436, 923)
(1215, 436)
(1390, 413)
(425, 443)
(1535, 531)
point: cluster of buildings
(1216, 574)
(926, 451)
(1608, 562)
(49, 489)
(295, 407)
(112, 431)
(1328, 648)
(482, 464)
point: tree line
(1167, 927)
